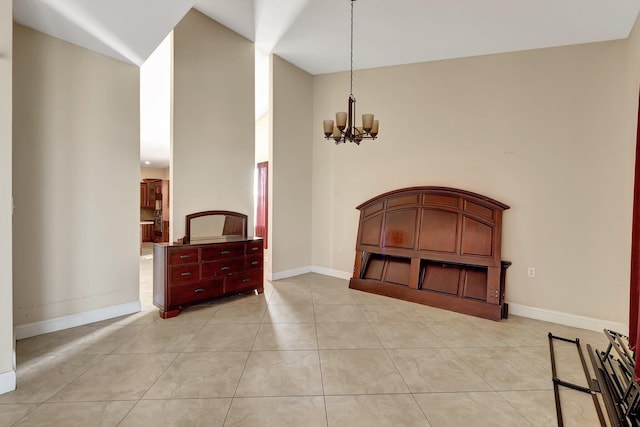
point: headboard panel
(431, 229)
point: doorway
(262, 202)
(155, 158)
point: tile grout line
(411, 393)
(160, 375)
(244, 367)
(31, 411)
(165, 370)
(516, 409)
(315, 328)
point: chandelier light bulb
(337, 135)
(374, 129)
(328, 127)
(367, 122)
(341, 120)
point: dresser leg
(169, 314)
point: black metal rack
(615, 381)
(557, 382)
(615, 371)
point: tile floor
(308, 352)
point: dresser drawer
(183, 256)
(222, 268)
(253, 262)
(184, 273)
(241, 281)
(232, 250)
(255, 247)
(187, 294)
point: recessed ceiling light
(147, 163)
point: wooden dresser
(188, 274)
(433, 245)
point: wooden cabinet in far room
(165, 231)
(165, 210)
(153, 185)
(144, 195)
(154, 205)
(150, 191)
(147, 232)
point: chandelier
(345, 128)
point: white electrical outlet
(531, 272)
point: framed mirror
(211, 225)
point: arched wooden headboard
(433, 245)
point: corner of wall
(7, 342)
(331, 272)
(288, 273)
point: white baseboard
(73, 320)
(333, 273)
(7, 382)
(310, 269)
(567, 319)
(289, 273)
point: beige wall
(633, 49)
(214, 120)
(292, 108)
(154, 173)
(76, 118)
(6, 307)
(548, 132)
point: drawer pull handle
(255, 248)
(199, 290)
(246, 280)
(225, 268)
(188, 273)
(225, 253)
(185, 256)
(254, 263)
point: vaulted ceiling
(314, 34)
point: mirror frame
(188, 218)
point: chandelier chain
(351, 65)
